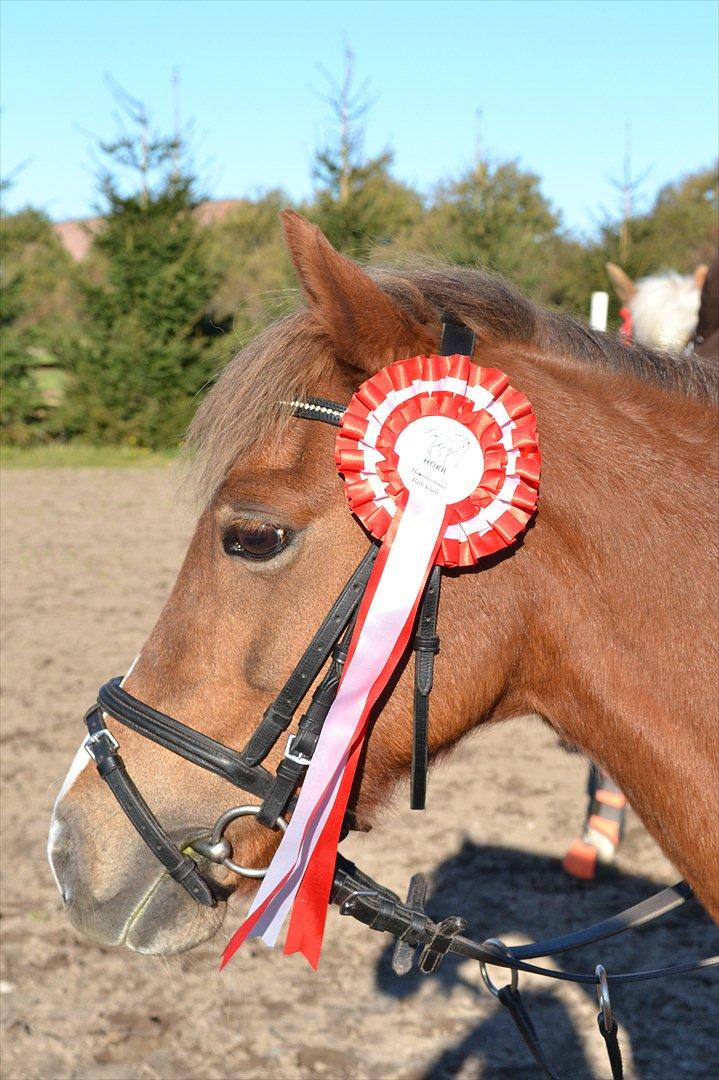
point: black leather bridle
(355, 893)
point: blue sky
(555, 82)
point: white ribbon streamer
(396, 593)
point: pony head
(664, 308)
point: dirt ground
(88, 556)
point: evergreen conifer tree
(38, 309)
(494, 216)
(357, 202)
(143, 357)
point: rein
(356, 894)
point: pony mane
(292, 358)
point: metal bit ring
(485, 975)
(603, 998)
(217, 838)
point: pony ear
(366, 327)
(700, 275)
(623, 284)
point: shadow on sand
(671, 1023)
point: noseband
(354, 892)
(244, 769)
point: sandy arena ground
(88, 557)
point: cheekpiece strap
(426, 645)
(456, 338)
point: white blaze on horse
(662, 309)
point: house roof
(76, 235)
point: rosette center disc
(440, 458)
(441, 432)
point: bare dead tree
(628, 187)
(347, 107)
(176, 122)
(478, 144)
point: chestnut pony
(601, 621)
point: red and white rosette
(474, 410)
(441, 462)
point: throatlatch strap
(426, 644)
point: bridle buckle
(94, 737)
(299, 759)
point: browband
(456, 339)
(316, 408)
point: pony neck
(614, 581)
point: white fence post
(599, 310)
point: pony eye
(255, 541)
